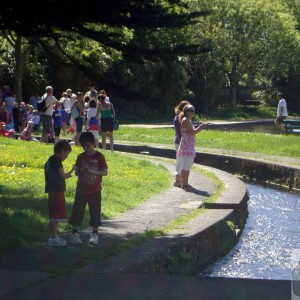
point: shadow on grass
(24, 217)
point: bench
(292, 126)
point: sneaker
(94, 239)
(57, 242)
(75, 239)
(177, 183)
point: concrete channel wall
(198, 243)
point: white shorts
(184, 163)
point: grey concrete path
(42, 272)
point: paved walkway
(75, 272)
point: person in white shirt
(282, 113)
(46, 117)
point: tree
(251, 39)
(112, 24)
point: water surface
(269, 247)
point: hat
(2, 124)
(69, 90)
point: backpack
(74, 112)
(41, 105)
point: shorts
(280, 119)
(93, 200)
(184, 163)
(79, 124)
(46, 123)
(107, 124)
(66, 117)
(57, 206)
(57, 131)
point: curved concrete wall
(261, 171)
(199, 242)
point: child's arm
(64, 174)
(98, 172)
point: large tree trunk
(18, 66)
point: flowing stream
(269, 247)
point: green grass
(23, 203)
(260, 143)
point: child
(6, 132)
(35, 120)
(92, 123)
(23, 115)
(26, 134)
(55, 187)
(57, 120)
(90, 167)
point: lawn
(23, 203)
(260, 143)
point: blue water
(269, 247)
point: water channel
(269, 247)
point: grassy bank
(23, 203)
(268, 144)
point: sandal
(177, 183)
(186, 187)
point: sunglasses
(190, 110)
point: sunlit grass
(269, 144)
(23, 202)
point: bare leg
(185, 177)
(111, 140)
(53, 225)
(103, 134)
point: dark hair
(280, 94)
(92, 103)
(62, 145)
(86, 137)
(101, 97)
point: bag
(74, 112)
(116, 124)
(41, 105)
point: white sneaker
(75, 239)
(57, 242)
(94, 239)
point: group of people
(90, 166)
(90, 111)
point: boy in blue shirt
(55, 186)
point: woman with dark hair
(106, 121)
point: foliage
(252, 41)
(112, 24)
